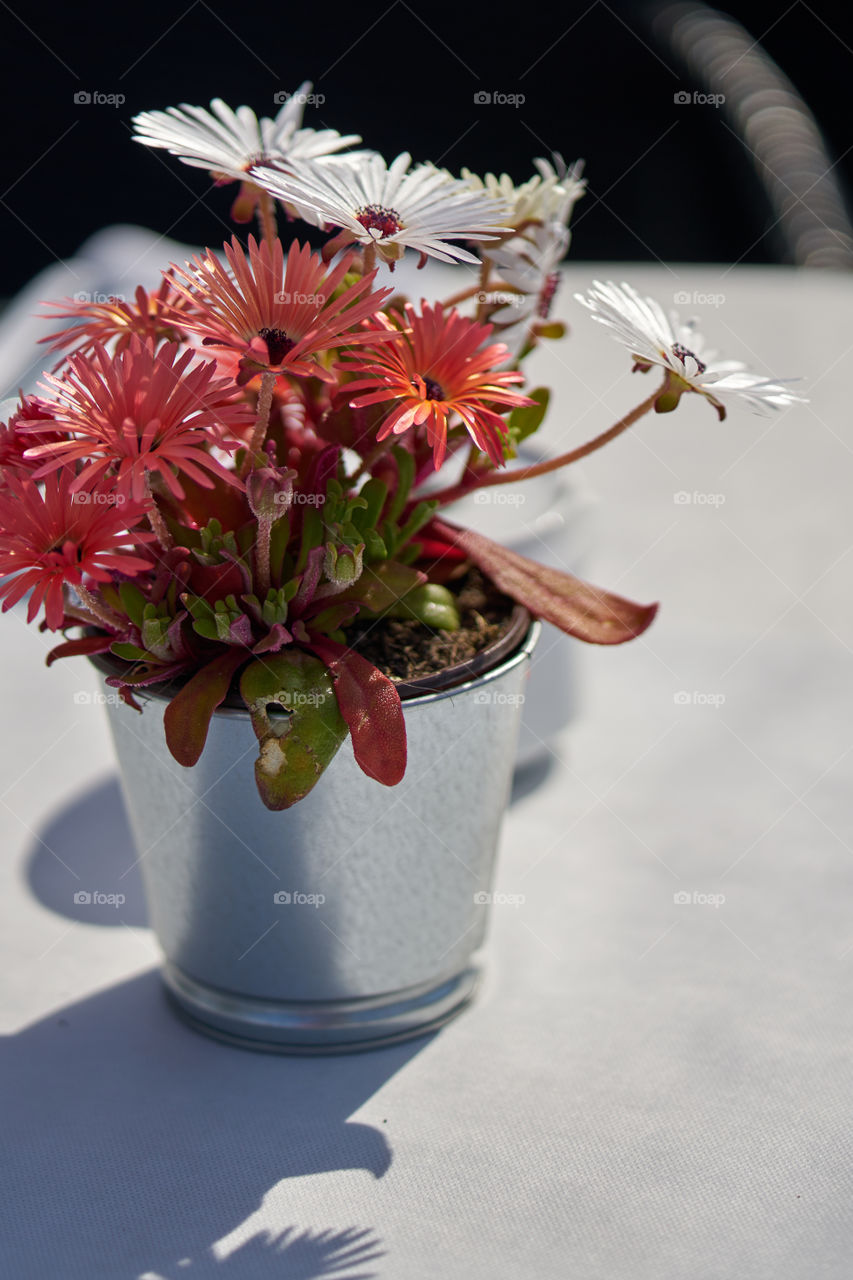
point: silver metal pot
(349, 921)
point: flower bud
(343, 564)
(269, 490)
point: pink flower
(141, 411)
(54, 536)
(440, 369)
(38, 416)
(153, 317)
(278, 314)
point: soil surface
(407, 650)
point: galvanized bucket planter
(351, 920)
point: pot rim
(515, 645)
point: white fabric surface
(645, 1090)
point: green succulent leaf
(431, 604)
(527, 419)
(291, 699)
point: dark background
(665, 181)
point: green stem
(155, 518)
(254, 453)
(266, 218)
(262, 582)
(368, 259)
(459, 490)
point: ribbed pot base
(318, 1027)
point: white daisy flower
(529, 271)
(392, 207)
(228, 143)
(653, 338)
(549, 196)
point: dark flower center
(683, 352)
(278, 344)
(432, 389)
(375, 217)
(546, 297)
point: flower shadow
(135, 1145)
(298, 1255)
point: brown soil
(408, 650)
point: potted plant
(230, 498)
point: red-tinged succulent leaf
(381, 585)
(216, 581)
(147, 675)
(577, 607)
(276, 638)
(85, 645)
(187, 717)
(295, 716)
(370, 704)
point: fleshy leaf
(370, 704)
(382, 585)
(85, 645)
(295, 716)
(582, 610)
(187, 717)
(525, 419)
(431, 604)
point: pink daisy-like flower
(142, 411)
(50, 536)
(154, 317)
(40, 416)
(441, 368)
(277, 313)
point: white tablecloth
(646, 1088)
